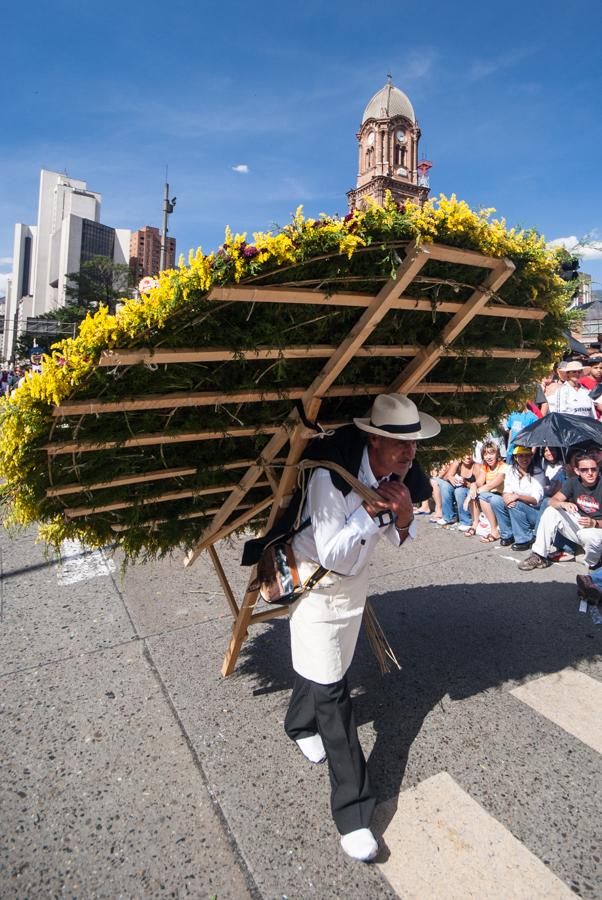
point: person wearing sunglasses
(575, 511)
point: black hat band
(397, 429)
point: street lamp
(168, 206)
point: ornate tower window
(400, 155)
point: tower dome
(387, 103)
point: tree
(99, 281)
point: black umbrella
(560, 430)
(576, 346)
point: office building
(145, 252)
(67, 233)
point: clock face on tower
(371, 139)
(400, 135)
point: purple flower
(348, 217)
(249, 252)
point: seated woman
(438, 474)
(461, 475)
(518, 514)
(553, 470)
(489, 484)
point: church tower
(388, 151)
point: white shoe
(444, 522)
(464, 527)
(360, 844)
(312, 748)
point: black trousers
(326, 709)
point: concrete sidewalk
(103, 794)
(131, 769)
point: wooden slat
(496, 353)
(190, 355)
(147, 440)
(460, 256)
(272, 613)
(158, 475)
(319, 351)
(250, 513)
(184, 399)
(416, 257)
(143, 477)
(147, 523)
(223, 581)
(497, 310)
(76, 511)
(240, 627)
(159, 438)
(435, 387)
(227, 529)
(422, 364)
(320, 298)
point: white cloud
(6, 261)
(416, 65)
(567, 242)
(242, 168)
(592, 250)
(586, 249)
(485, 67)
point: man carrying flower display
(341, 536)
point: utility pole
(168, 206)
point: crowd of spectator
(10, 378)
(547, 500)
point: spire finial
(389, 78)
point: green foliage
(355, 254)
(99, 281)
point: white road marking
(511, 558)
(77, 564)
(445, 846)
(571, 700)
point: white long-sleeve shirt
(342, 536)
(576, 402)
(527, 485)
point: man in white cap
(341, 536)
(572, 397)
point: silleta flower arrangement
(139, 429)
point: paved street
(131, 769)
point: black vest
(345, 447)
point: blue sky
(508, 98)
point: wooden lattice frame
(293, 433)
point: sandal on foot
(470, 532)
(489, 539)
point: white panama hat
(396, 416)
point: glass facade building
(97, 240)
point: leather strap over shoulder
(365, 492)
